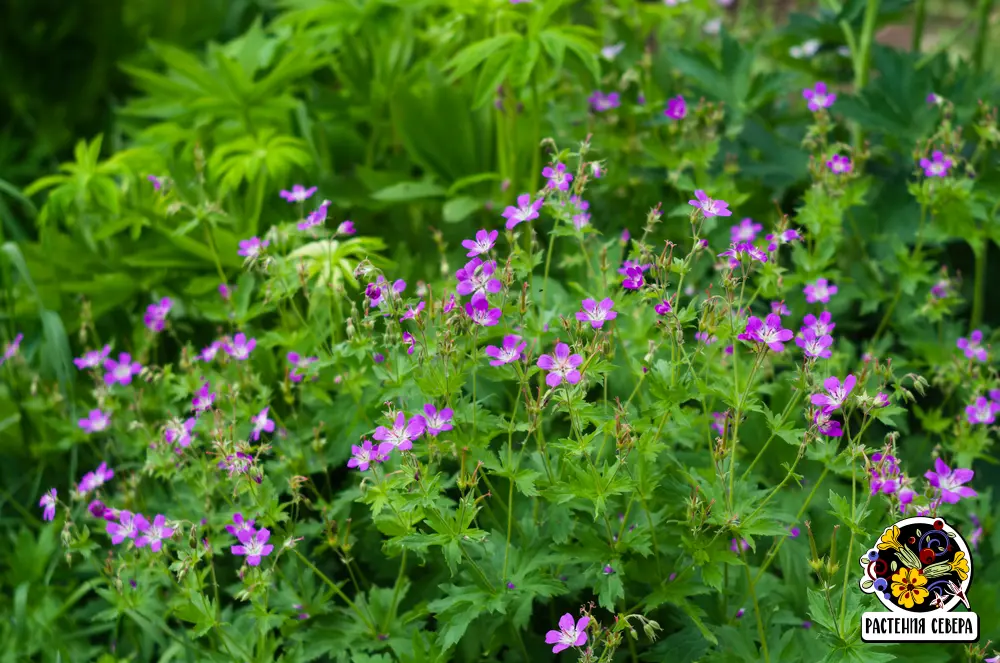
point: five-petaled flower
(633, 278)
(92, 358)
(676, 108)
(745, 231)
(558, 178)
(820, 326)
(298, 194)
(152, 534)
(570, 633)
(480, 312)
(839, 164)
(826, 425)
(908, 587)
(253, 545)
(938, 166)
(156, 315)
(813, 346)
(261, 424)
(526, 210)
(316, 217)
(596, 312)
(48, 504)
(818, 97)
(510, 350)
(121, 371)
(179, 433)
(601, 102)
(127, 526)
(240, 348)
(203, 398)
(972, 346)
(982, 411)
(402, 433)
(95, 422)
(561, 365)
(437, 421)
(362, 457)
(94, 480)
(837, 392)
(767, 331)
(710, 206)
(477, 277)
(482, 244)
(819, 291)
(949, 481)
(663, 307)
(251, 248)
(239, 525)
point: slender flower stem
(756, 610)
(983, 13)
(863, 60)
(336, 590)
(918, 26)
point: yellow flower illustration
(960, 565)
(889, 539)
(908, 587)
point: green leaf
(458, 209)
(471, 56)
(406, 191)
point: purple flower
(483, 243)
(261, 424)
(972, 346)
(225, 291)
(179, 433)
(774, 241)
(48, 504)
(820, 326)
(633, 278)
(705, 337)
(240, 348)
(596, 170)
(561, 366)
(596, 313)
(719, 422)
(346, 228)
(881, 400)
(251, 248)
(402, 433)
(950, 482)
(315, 218)
(209, 352)
(509, 351)
(239, 525)
(363, 456)
(663, 308)
(378, 357)
(739, 546)
(676, 108)
(767, 331)
(156, 315)
(740, 613)
(203, 399)
(735, 253)
(153, 534)
(982, 411)
(253, 545)
(437, 421)
(121, 371)
(569, 634)
(480, 312)
(526, 210)
(409, 342)
(126, 528)
(885, 475)
(816, 347)
(95, 422)
(819, 291)
(708, 206)
(11, 349)
(794, 532)
(558, 177)
(780, 308)
(298, 194)
(238, 463)
(839, 165)
(933, 99)
(826, 425)
(92, 358)
(837, 392)
(601, 102)
(632, 264)
(608, 570)
(299, 364)
(412, 313)
(938, 167)
(745, 231)
(155, 181)
(94, 480)
(477, 277)
(450, 304)
(580, 217)
(818, 97)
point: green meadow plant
(636, 374)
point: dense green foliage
(625, 494)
